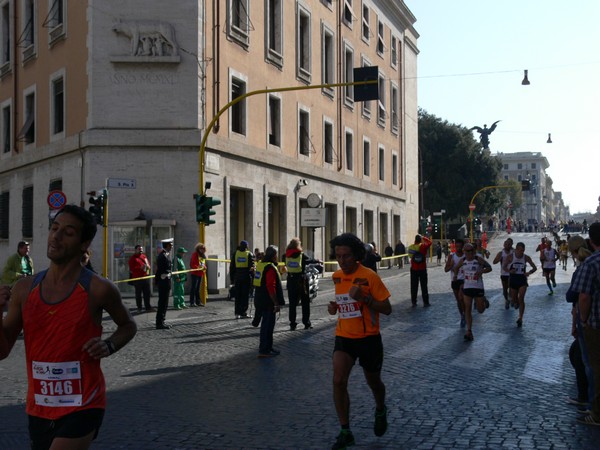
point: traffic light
(525, 184)
(436, 229)
(209, 203)
(199, 207)
(98, 205)
(204, 209)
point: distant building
(540, 204)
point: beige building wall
(137, 109)
(248, 162)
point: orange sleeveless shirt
(62, 378)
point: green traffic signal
(204, 209)
(98, 207)
(199, 207)
(209, 202)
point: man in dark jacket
(297, 282)
(163, 282)
(241, 270)
(400, 249)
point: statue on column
(485, 134)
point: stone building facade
(119, 94)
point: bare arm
(485, 266)
(532, 264)
(12, 324)
(449, 263)
(383, 307)
(105, 296)
(498, 258)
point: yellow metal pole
(201, 153)
(105, 237)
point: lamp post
(301, 182)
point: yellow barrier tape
(228, 260)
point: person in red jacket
(418, 268)
(139, 268)
(199, 288)
(60, 313)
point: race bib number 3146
(57, 383)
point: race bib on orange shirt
(57, 384)
(348, 308)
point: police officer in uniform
(297, 282)
(241, 270)
(163, 282)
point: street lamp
(299, 185)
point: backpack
(418, 257)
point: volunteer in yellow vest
(360, 296)
(257, 279)
(297, 282)
(241, 270)
(269, 298)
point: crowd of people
(69, 286)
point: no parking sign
(56, 199)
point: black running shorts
(368, 350)
(75, 425)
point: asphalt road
(201, 386)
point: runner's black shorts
(517, 281)
(368, 350)
(75, 425)
(473, 292)
(551, 269)
(456, 284)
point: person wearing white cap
(163, 282)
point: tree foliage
(455, 167)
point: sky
(470, 67)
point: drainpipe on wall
(15, 84)
(340, 164)
(216, 44)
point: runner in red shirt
(60, 312)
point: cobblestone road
(200, 385)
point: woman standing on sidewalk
(198, 290)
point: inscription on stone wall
(128, 78)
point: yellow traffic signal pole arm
(202, 150)
(473, 200)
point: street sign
(123, 183)
(312, 217)
(472, 206)
(56, 199)
(437, 213)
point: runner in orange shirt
(360, 296)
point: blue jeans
(267, 326)
(195, 290)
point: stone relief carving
(148, 38)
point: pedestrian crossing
(545, 360)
